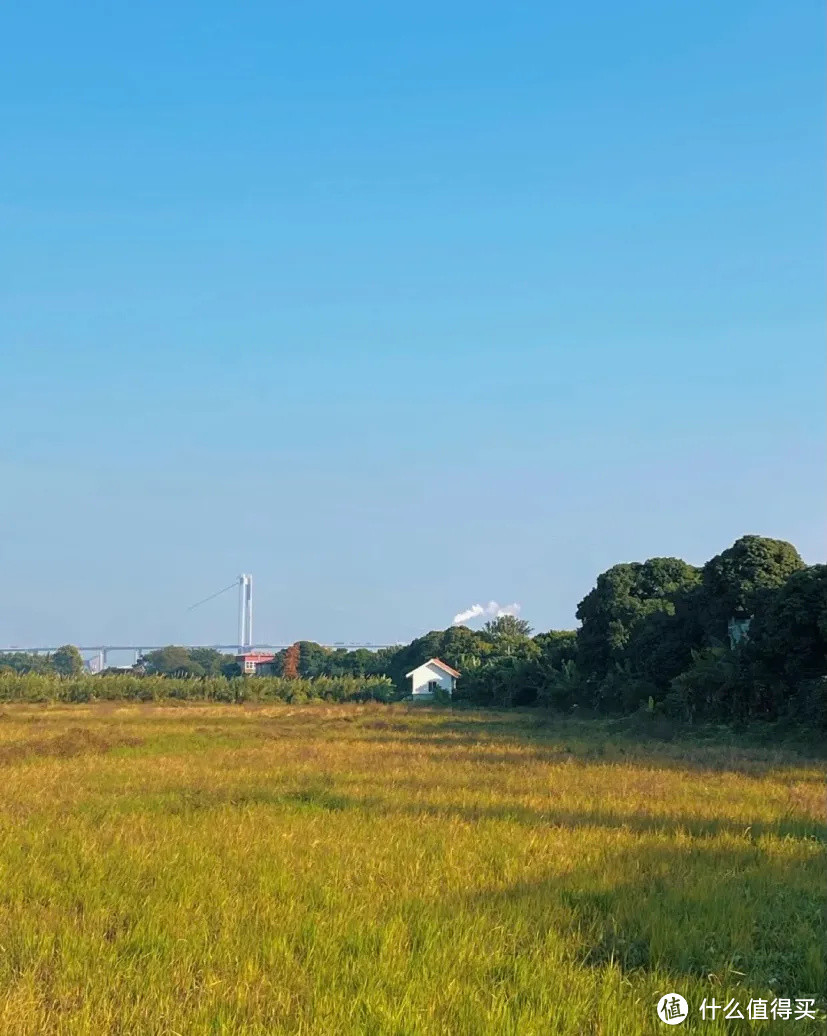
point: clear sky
(399, 307)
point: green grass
(395, 870)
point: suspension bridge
(100, 652)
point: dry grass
(393, 870)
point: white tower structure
(245, 613)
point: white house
(431, 676)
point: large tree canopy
(557, 647)
(625, 596)
(789, 635)
(740, 580)
(507, 627)
(67, 660)
(210, 661)
(171, 660)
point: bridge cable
(216, 594)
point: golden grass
(394, 870)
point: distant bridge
(243, 645)
(102, 651)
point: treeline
(65, 661)
(173, 661)
(743, 637)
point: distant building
(255, 662)
(432, 676)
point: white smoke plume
(492, 610)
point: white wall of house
(426, 678)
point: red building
(250, 661)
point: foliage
(313, 659)
(740, 581)
(456, 645)
(67, 661)
(171, 661)
(660, 629)
(620, 690)
(780, 671)
(615, 611)
(788, 636)
(37, 687)
(290, 663)
(175, 660)
(653, 636)
(499, 681)
(661, 645)
(708, 689)
(439, 696)
(506, 627)
(212, 662)
(25, 662)
(557, 646)
(561, 686)
(317, 660)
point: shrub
(47, 687)
(709, 689)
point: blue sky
(399, 307)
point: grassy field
(395, 870)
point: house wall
(255, 664)
(425, 674)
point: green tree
(739, 582)
(789, 635)
(384, 659)
(24, 662)
(710, 688)
(67, 661)
(660, 646)
(507, 627)
(414, 654)
(360, 662)
(509, 638)
(460, 646)
(313, 659)
(557, 647)
(500, 680)
(625, 596)
(211, 662)
(171, 661)
(552, 677)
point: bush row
(49, 687)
